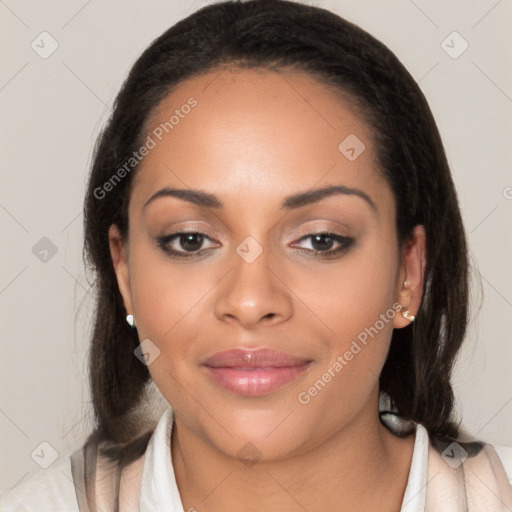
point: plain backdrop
(53, 108)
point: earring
(406, 314)
(129, 319)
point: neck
(362, 467)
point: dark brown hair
(284, 35)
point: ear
(411, 276)
(118, 252)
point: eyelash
(346, 243)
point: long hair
(284, 35)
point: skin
(255, 137)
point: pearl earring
(129, 319)
(406, 314)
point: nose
(252, 294)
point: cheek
(169, 302)
(351, 295)
(356, 304)
(168, 299)
(354, 301)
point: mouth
(254, 372)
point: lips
(253, 358)
(254, 372)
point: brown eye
(183, 244)
(191, 241)
(321, 244)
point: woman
(280, 254)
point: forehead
(255, 133)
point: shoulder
(505, 455)
(475, 471)
(49, 490)
(496, 455)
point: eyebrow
(207, 200)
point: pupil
(191, 241)
(318, 245)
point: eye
(183, 244)
(327, 244)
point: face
(258, 260)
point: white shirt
(53, 490)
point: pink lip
(254, 372)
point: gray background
(52, 110)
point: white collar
(416, 490)
(159, 490)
